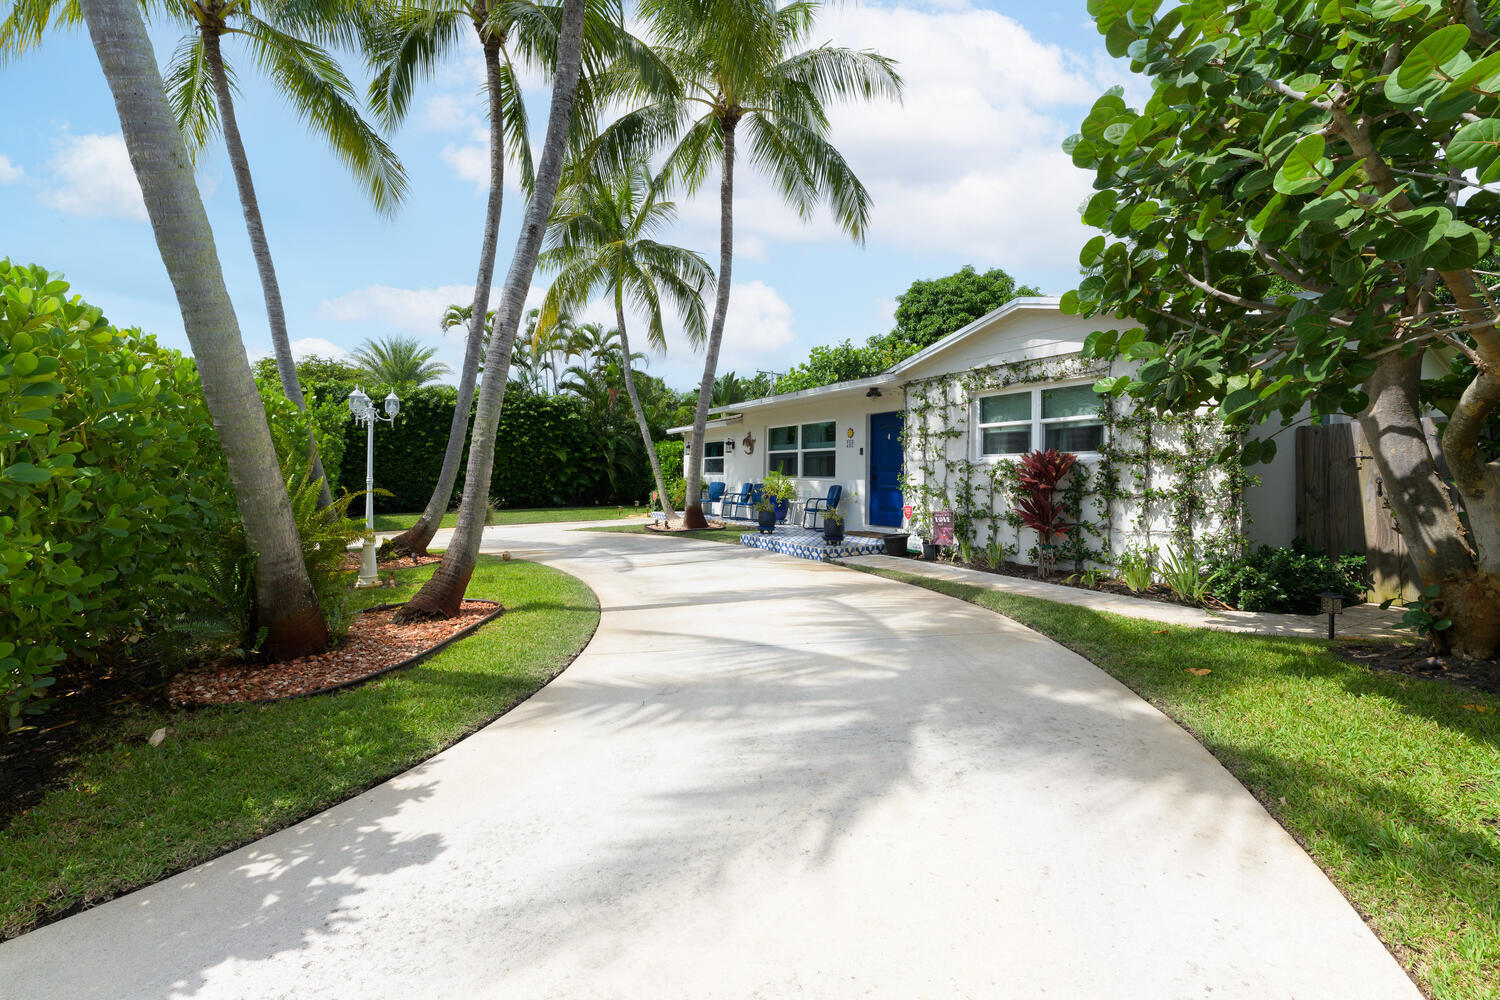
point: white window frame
(712, 458)
(1038, 423)
(801, 452)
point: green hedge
(108, 481)
(545, 455)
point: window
(803, 451)
(1065, 418)
(1005, 424)
(1070, 419)
(713, 458)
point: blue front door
(885, 469)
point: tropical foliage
(399, 364)
(1298, 220)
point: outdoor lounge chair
(744, 510)
(821, 505)
(731, 502)
(715, 494)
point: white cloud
(759, 325)
(471, 163)
(9, 172)
(92, 177)
(970, 161)
(403, 310)
(317, 345)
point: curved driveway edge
(764, 777)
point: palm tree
(442, 595)
(601, 238)
(740, 65)
(406, 42)
(199, 89)
(293, 620)
(399, 362)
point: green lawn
(730, 535)
(1392, 783)
(537, 515)
(133, 814)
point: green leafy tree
(1297, 219)
(929, 310)
(826, 365)
(603, 239)
(740, 70)
(398, 363)
(310, 369)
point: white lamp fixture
(364, 412)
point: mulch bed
(351, 562)
(677, 527)
(1416, 661)
(375, 644)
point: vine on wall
(1157, 479)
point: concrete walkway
(766, 777)
(1363, 621)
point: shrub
(104, 439)
(1286, 579)
(1185, 575)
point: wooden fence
(1341, 505)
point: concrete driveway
(764, 778)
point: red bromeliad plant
(1039, 507)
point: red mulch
(677, 526)
(351, 562)
(375, 642)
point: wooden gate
(1341, 506)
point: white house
(943, 430)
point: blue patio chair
(715, 494)
(821, 505)
(731, 502)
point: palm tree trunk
(640, 413)
(414, 540)
(443, 593)
(281, 345)
(692, 516)
(288, 607)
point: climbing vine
(1157, 479)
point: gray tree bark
(443, 593)
(288, 607)
(640, 412)
(281, 345)
(1426, 516)
(692, 516)
(414, 540)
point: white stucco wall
(1035, 332)
(849, 411)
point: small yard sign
(906, 511)
(942, 527)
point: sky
(967, 169)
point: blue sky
(966, 170)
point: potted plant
(833, 526)
(779, 491)
(765, 514)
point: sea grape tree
(1300, 220)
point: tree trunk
(1426, 517)
(414, 540)
(281, 344)
(640, 413)
(442, 595)
(289, 608)
(692, 516)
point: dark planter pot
(929, 551)
(895, 545)
(766, 519)
(782, 507)
(833, 531)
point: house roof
(893, 374)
